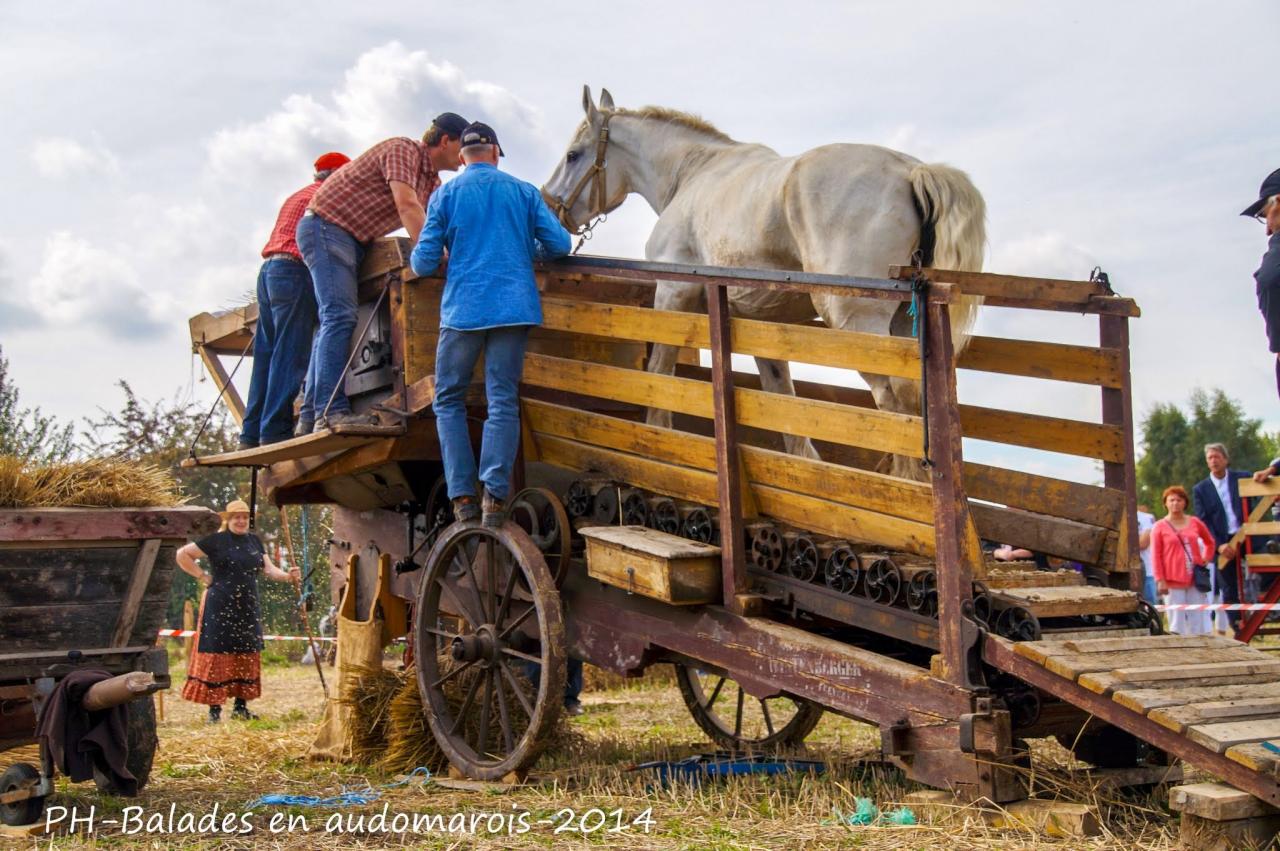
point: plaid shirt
(282, 239)
(358, 198)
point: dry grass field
(200, 767)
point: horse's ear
(588, 106)
(606, 99)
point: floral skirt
(213, 677)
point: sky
(147, 147)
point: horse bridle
(593, 176)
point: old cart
(81, 588)
(833, 587)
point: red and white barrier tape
(1219, 607)
(190, 633)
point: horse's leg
(670, 295)
(775, 377)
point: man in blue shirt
(1267, 210)
(494, 226)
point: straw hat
(236, 506)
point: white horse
(839, 209)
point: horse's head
(582, 188)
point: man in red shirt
(382, 189)
(286, 320)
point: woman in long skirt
(227, 661)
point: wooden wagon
(832, 587)
(80, 589)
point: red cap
(331, 160)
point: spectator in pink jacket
(1179, 541)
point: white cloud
(60, 157)
(1043, 255)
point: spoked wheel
(578, 500)
(1146, 617)
(922, 593)
(20, 777)
(539, 513)
(882, 582)
(488, 711)
(698, 526)
(737, 721)
(766, 550)
(1017, 624)
(842, 570)
(802, 559)
(664, 515)
(982, 607)
(635, 508)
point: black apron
(232, 621)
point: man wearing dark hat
(383, 189)
(1267, 210)
(494, 227)
(286, 320)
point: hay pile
(91, 483)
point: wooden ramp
(324, 442)
(1214, 702)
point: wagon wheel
(1146, 617)
(539, 513)
(882, 582)
(737, 721)
(698, 526)
(766, 551)
(607, 508)
(577, 500)
(142, 740)
(635, 508)
(982, 603)
(802, 560)
(665, 516)
(922, 593)
(842, 570)
(499, 584)
(17, 777)
(1018, 624)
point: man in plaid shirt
(286, 320)
(382, 189)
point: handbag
(1200, 576)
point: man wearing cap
(286, 320)
(383, 189)
(494, 226)
(1267, 210)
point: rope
(345, 798)
(191, 450)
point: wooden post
(138, 582)
(1117, 410)
(728, 481)
(958, 548)
(221, 380)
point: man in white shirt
(1145, 521)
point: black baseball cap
(478, 133)
(1270, 187)
(451, 123)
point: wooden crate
(652, 563)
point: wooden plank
(887, 432)
(1072, 665)
(1145, 700)
(1217, 802)
(1266, 527)
(1271, 487)
(1040, 651)
(70, 527)
(733, 566)
(1025, 292)
(1221, 736)
(1068, 634)
(1180, 717)
(1055, 536)
(999, 576)
(70, 624)
(1191, 676)
(1054, 434)
(337, 439)
(1063, 602)
(225, 332)
(139, 579)
(1257, 757)
(1264, 560)
(1057, 497)
(1034, 359)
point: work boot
(573, 708)
(245, 445)
(465, 509)
(345, 418)
(215, 713)
(494, 510)
(241, 712)
(303, 428)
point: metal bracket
(982, 710)
(893, 739)
(973, 636)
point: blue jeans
(333, 255)
(281, 349)
(456, 356)
(572, 677)
(1149, 590)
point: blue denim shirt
(494, 226)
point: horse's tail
(953, 233)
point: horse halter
(595, 177)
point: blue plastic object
(717, 766)
(1271, 746)
(345, 798)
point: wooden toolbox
(652, 563)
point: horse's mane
(675, 116)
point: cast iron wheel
(982, 607)
(842, 570)
(607, 508)
(664, 515)
(1146, 617)
(18, 776)
(499, 585)
(766, 551)
(698, 526)
(577, 500)
(882, 582)
(736, 721)
(1105, 747)
(539, 513)
(635, 508)
(1017, 624)
(922, 593)
(802, 559)
(142, 740)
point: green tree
(1173, 443)
(26, 432)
